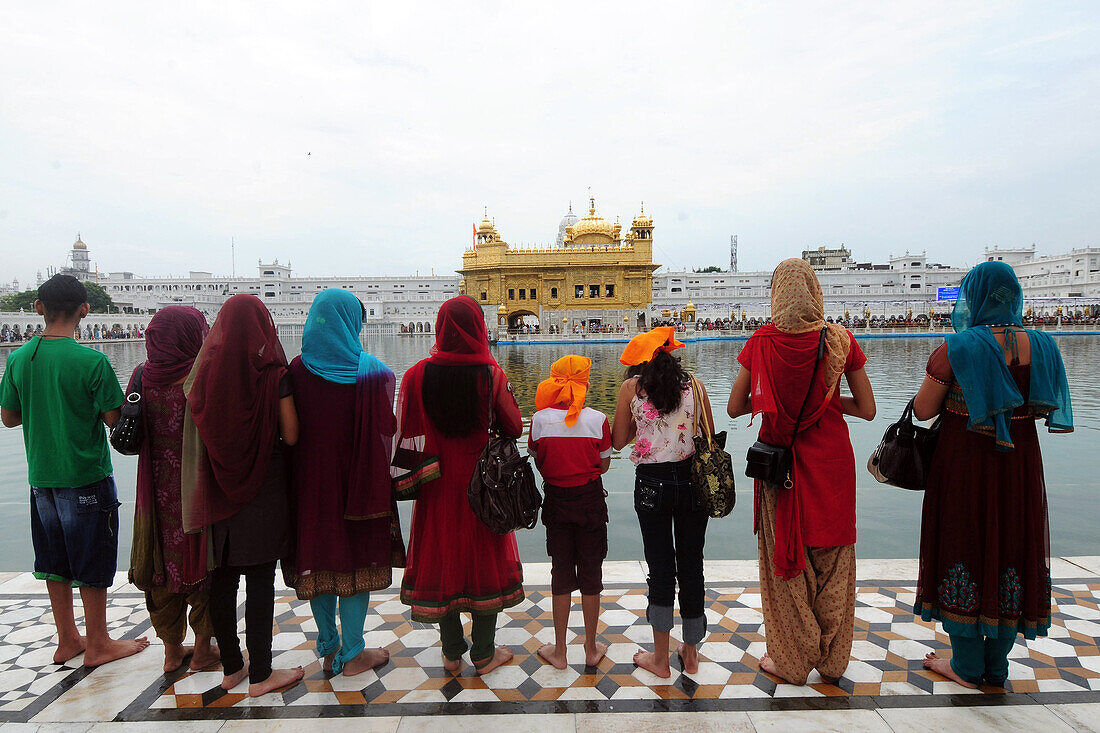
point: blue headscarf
(330, 341)
(990, 295)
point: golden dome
(79, 244)
(592, 224)
(485, 226)
(502, 310)
(690, 306)
(641, 220)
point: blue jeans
(74, 532)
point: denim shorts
(75, 533)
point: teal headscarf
(990, 295)
(330, 341)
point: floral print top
(663, 438)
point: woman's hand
(288, 420)
(862, 402)
(623, 427)
(740, 402)
(929, 400)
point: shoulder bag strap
(137, 379)
(492, 400)
(699, 418)
(801, 410)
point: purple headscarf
(172, 341)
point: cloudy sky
(365, 138)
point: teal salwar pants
(347, 643)
(483, 636)
(975, 659)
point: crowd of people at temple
(250, 461)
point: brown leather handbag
(502, 490)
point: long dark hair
(456, 398)
(662, 379)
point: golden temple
(594, 274)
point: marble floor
(1053, 681)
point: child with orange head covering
(571, 445)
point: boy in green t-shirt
(62, 393)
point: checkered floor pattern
(29, 678)
(886, 660)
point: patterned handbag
(711, 465)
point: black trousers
(259, 616)
(673, 534)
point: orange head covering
(567, 385)
(643, 346)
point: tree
(25, 300)
(98, 299)
(711, 268)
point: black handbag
(711, 465)
(129, 432)
(502, 491)
(904, 457)
(772, 463)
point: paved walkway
(1054, 683)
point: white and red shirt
(569, 455)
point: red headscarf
(172, 341)
(233, 401)
(460, 335)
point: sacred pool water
(888, 518)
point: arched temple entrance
(523, 321)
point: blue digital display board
(947, 294)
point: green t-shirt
(62, 392)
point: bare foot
(69, 648)
(326, 662)
(452, 665)
(829, 680)
(111, 650)
(689, 657)
(649, 662)
(230, 681)
(594, 656)
(366, 659)
(277, 680)
(174, 654)
(502, 656)
(551, 655)
(767, 664)
(205, 658)
(942, 666)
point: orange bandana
(643, 346)
(567, 386)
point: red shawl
(172, 342)
(233, 400)
(460, 335)
(780, 370)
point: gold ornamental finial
(591, 205)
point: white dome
(566, 221)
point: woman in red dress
(807, 532)
(455, 563)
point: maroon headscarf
(172, 341)
(460, 335)
(233, 400)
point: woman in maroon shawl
(167, 564)
(240, 412)
(806, 532)
(455, 563)
(349, 536)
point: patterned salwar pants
(809, 620)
